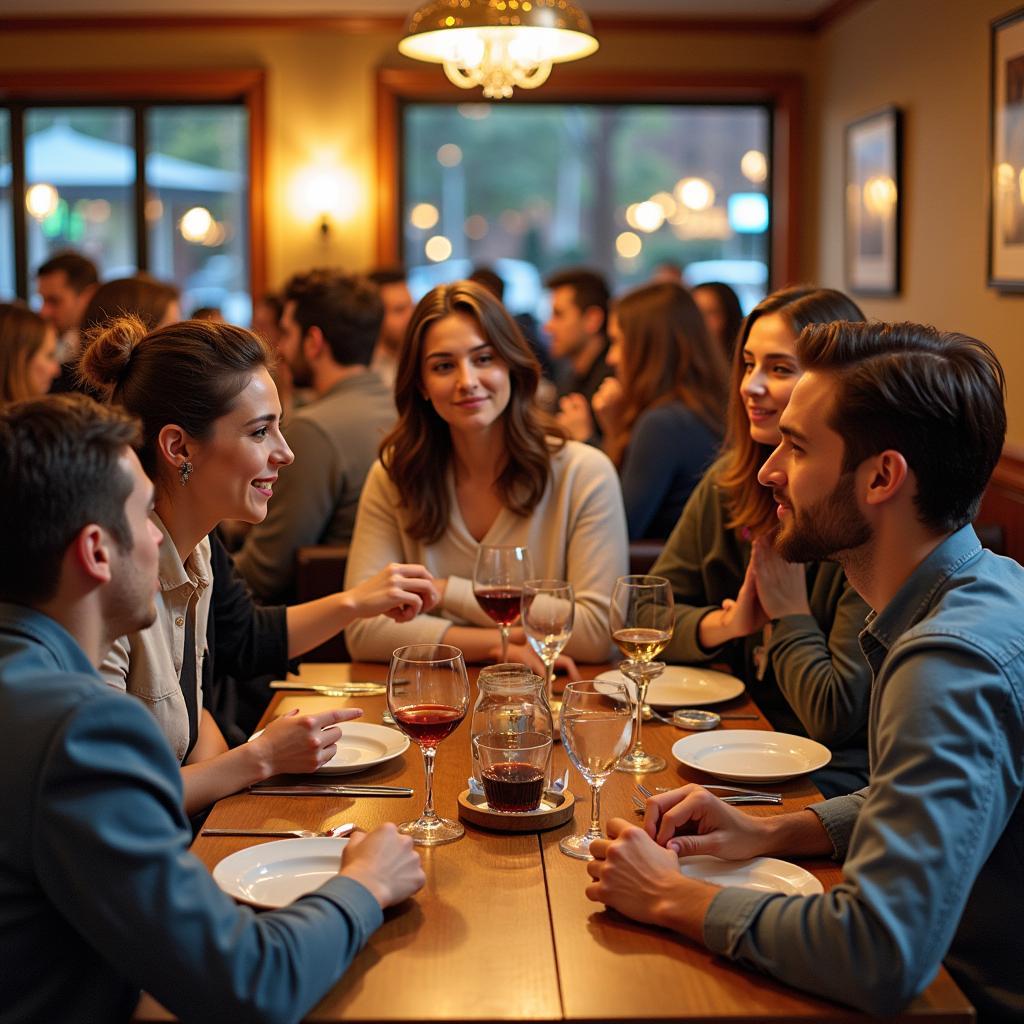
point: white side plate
(764, 874)
(272, 875)
(685, 686)
(751, 755)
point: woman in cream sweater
(470, 462)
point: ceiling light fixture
(498, 44)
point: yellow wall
(930, 57)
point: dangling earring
(185, 471)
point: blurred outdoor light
(449, 155)
(748, 212)
(628, 245)
(195, 224)
(1006, 176)
(665, 201)
(754, 166)
(423, 216)
(649, 216)
(879, 194)
(41, 201)
(476, 227)
(695, 193)
(438, 249)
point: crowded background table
(503, 929)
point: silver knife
(382, 791)
(340, 689)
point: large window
(626, 188)
(161, 187)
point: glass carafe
(511, 701)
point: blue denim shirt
(933, 848)
(99, 896)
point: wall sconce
(325, 196)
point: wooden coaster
(555, 809)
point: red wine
(500, 603)
(428, 724)
(513, 786)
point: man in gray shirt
(329, 328)
(888, 442)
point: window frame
(781, 93)
(138, 91)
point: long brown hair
(22, 334)
(140, 296)
(418, 452)
(749, 505)
(667, 355)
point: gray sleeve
(825, 678)
(110, 849)
(936, 807)
(297, 515)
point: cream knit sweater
(577, 532)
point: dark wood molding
(244, 85)
(1003, 504)
(835, 11)
(396, 86)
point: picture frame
(874, 201)
(1006, 155)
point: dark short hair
(347, 309)
(936, 397)
(59, 472)
(140, 296)
(189, 373)
(381, 276)
(490, 280)
(588, 286)
(79, 270)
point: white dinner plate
(272, 875)
(362, 746)
(750, 755)
(763, 874)
(685, 686)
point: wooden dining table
(503, 930)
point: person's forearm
(685, 913)
(475, 642)
(799, 834)
(314, 622)
(205, 782)
(712, 633)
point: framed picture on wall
(874, 195)
(1006, 204)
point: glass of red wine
(498, 578)
(428, 695)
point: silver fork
(743, 796)
(286, 833)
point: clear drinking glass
(641, 619)
(596, 727)
(548, 607)
(428, 695)
(498, 578)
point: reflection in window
(6, 221)
(80, 185)
(529, 188)
(196, 205)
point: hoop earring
(185, 471)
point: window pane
(528, 188)
(80, 178)
(6, 224)
(197, 172)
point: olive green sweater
(816, 682)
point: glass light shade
(498, 44)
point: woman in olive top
(789, 630)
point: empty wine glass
(548, 607)
(641, 619)
(596, 727)
(428, 695)
(498, 579)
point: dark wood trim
(247, 85)
(834, 12)
(1003, 503)
(18, 186)
(785, 92)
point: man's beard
(302, 372)
(828, 527)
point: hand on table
(399, 591)
(384, 862)
(574, 417)
(301, 743)
(781, 585)
(690, 821)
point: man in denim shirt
(99, 896)
(888, 442)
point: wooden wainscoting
(1003, 504)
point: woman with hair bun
(790, 631)
(473, 461)
(212, 444)
(28, 354)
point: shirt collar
(173, 573)
(59, 643)
(912, 601)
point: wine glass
(548, 607)
(428, 695)
(641, 619)
(596, 727)
(498, 579)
